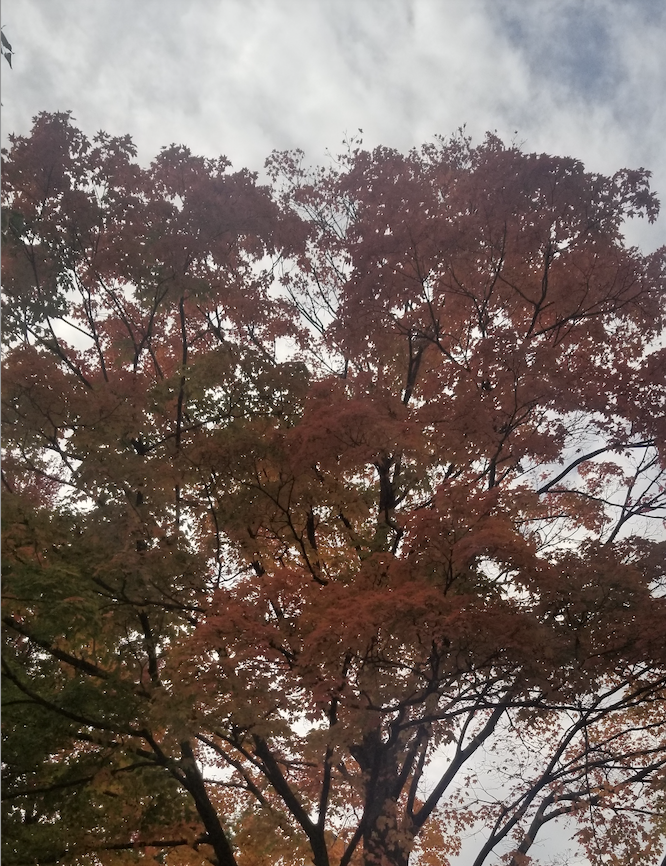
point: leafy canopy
(333, 509)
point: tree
(332, 509)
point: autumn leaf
(332, 509)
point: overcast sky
(583, 78)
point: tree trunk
(385, 842)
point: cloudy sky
(585, 78)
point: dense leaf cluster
(333, 509)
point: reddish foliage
(332, 509)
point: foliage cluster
(332, 508)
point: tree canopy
(332, 508)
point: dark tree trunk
(386, 844)
(385, 841)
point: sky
(581, 78)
